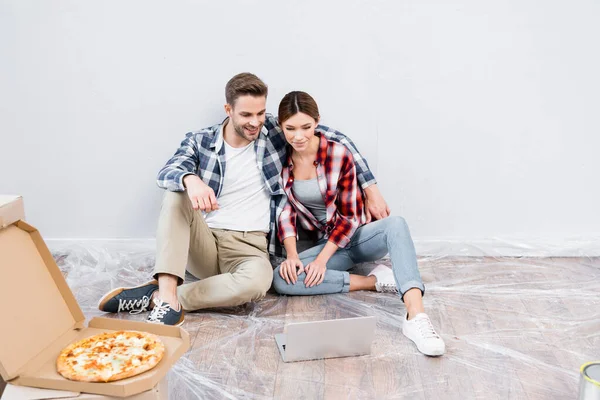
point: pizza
(110, 356)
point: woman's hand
(290, 269)
(315, 273)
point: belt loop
(245, 233)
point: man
(219, 212)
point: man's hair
(244, 84)
(296, 102)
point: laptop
(326, 339)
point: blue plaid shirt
(202, 153)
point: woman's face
(299, 129)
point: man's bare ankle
(170, 300)
(154, 296)
(173, 303)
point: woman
(323, 197)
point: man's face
(247, 115)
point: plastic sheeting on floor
(515, 328)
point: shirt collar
(217, 140)
(322, 152)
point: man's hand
(315, 273)
(201, 195)
(290, 269)
(375, 204)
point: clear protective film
(515, 328)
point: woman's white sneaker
(421, 332)
(385, 279)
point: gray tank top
(308, 193)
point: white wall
(480, 119)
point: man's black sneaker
(162, 313)
(134, 300)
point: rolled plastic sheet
(514, 327)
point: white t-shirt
(244, 202)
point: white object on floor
(13, 392)
(315, 340)
(421, 332)
(385, 279)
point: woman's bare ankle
(359, 282)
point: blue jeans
(369, 243)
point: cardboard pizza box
(11, 210)
(13, 392)
(41, 316)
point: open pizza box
(40, 317)
(13, 392)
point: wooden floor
(514, 329)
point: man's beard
(239, 129)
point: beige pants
(233, 267)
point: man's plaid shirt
(202, 153)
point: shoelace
(388, 287)
(158, 312)
(426, 329)
(135, 306)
